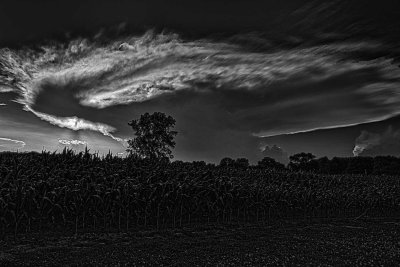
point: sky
(266, 78)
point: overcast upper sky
(266, 78)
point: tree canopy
(154, 136)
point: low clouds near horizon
(216, 90)
(275, 152)
(76, 145)
(386, 143)
(7, 144)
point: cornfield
(84, 192)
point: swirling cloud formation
(266, 92)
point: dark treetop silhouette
(154, 136)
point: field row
(87, 193)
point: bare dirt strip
(323, 243)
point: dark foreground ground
(324, 243)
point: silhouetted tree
(199, 164)
(242, 163)
(276, 153)
(227, 162)
(270, 163)
(178, 163)
(302, 162)
(338, 165)
(360, 165)
(386, 165)
(154, 137)
(323, 165)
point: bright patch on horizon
(7, 144)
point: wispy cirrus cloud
(75, 123)
(4, 89)
(8, 144)
(268, 92)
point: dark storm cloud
(375, 144)
(26, 20)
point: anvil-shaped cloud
(264, 93)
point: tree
(386, 165)
(302, 162)
(242, 163)
(270, 163)
(360, 165)
(323, 165)
(154, 137)
(227, 162)
(338, 165)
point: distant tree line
(307, 162)
(353, 165)
(154, 139)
